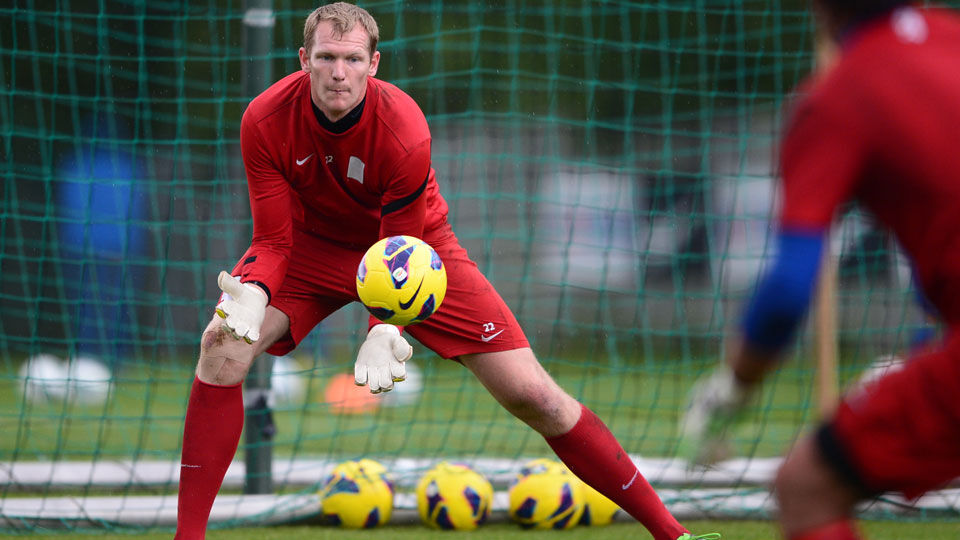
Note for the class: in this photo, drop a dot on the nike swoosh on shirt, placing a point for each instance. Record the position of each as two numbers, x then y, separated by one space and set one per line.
406 305
632 480
485 339
304 160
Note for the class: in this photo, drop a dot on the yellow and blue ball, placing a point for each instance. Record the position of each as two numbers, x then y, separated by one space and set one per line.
453 496
401 280
546 495
355 498
597 509
542 465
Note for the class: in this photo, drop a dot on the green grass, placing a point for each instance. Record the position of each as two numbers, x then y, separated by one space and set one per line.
455 416
731 530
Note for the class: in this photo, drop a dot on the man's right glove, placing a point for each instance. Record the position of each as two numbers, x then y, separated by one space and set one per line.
380 360
242 307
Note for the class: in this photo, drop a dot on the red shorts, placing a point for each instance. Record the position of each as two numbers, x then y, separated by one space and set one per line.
322 277
902 433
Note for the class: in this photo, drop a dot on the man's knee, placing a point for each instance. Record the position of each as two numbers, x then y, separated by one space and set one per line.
519 383
213 338
544 406
801 476
224 359
789 481
218 340
808 491
532 399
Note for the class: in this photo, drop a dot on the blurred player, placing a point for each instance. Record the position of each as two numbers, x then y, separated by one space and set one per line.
879 127
335 160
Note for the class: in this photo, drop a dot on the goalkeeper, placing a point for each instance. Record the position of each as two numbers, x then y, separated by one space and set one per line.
335 160
878 126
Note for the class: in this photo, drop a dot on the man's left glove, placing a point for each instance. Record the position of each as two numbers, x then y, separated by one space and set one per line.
716 404
380 361
242 308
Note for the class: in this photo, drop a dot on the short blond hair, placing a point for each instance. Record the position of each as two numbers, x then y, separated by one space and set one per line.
344 17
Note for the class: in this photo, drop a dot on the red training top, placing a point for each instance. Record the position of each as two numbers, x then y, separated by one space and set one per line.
373 180
883 127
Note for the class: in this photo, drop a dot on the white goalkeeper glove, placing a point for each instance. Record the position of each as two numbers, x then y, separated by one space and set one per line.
242 307
380 360
716 403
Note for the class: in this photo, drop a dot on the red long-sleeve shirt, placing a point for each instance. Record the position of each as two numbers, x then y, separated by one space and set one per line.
373 180
883 128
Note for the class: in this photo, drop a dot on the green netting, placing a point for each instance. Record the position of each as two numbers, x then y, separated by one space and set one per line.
608 165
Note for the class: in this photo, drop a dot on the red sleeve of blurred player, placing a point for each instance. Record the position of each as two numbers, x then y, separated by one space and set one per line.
822 156
404 201
270 204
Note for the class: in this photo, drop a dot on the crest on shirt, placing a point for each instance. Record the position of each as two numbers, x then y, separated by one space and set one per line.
355 169
910 26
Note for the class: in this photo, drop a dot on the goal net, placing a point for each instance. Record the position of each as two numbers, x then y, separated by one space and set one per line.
609 166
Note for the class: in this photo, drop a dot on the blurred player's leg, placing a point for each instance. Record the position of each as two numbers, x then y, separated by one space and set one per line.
214 420
580 439
841 530
815 504
897 433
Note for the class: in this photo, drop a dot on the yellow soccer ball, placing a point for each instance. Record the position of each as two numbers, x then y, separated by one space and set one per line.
546 495
355 499
597 509
369 467
542 465
451 496
401 280
375 468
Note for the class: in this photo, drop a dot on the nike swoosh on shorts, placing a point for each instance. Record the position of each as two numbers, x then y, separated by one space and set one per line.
486 339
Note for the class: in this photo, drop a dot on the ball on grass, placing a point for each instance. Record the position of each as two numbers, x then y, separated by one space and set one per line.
452 496
354 497
546 495
597 509
88 381
43 378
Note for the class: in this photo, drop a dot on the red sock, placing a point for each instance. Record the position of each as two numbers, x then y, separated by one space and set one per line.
839 530
595 456
211 433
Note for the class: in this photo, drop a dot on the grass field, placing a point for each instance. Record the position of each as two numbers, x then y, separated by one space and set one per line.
456 417
731 530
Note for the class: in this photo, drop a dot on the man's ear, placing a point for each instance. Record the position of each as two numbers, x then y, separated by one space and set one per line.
374 63
304 60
